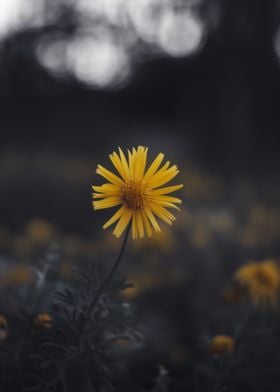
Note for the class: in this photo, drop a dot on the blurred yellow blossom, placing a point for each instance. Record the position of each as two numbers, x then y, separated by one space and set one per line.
3 328
3 322
43 321
221 344
17 275
122 341
40 231
261 280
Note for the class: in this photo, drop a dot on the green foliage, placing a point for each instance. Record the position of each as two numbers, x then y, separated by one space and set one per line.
78 351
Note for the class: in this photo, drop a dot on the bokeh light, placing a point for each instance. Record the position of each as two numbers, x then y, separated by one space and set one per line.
100 42
51 52
19 14
9 15
97 62
180 33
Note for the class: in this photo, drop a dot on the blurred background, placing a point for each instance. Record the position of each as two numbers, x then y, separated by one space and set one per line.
196 79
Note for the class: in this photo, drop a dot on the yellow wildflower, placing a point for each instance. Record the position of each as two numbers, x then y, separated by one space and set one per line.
3 322
137 191
221 344
3 328
122 341
43 321
261 281
17 275
40 231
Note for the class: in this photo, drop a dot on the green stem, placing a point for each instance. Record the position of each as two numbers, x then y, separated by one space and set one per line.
111 273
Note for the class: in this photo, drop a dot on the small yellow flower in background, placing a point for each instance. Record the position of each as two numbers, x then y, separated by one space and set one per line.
40 231
122 341
261 280
17 275
43 321
138 191
3 328
3 321
221 344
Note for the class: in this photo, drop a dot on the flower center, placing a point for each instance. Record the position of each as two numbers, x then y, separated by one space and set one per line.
133 195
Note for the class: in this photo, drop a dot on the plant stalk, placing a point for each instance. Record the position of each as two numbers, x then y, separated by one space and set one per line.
111 273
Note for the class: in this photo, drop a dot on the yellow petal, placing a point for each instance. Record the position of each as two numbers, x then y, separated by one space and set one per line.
170 199
124 162
140 162
101 195
122 223
167 204
109 202
167 189
154 166
159 173
131 159
134 227
147 224
114 218
164 177
139 223
106 188
152 219
162 213
108 175
115 159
